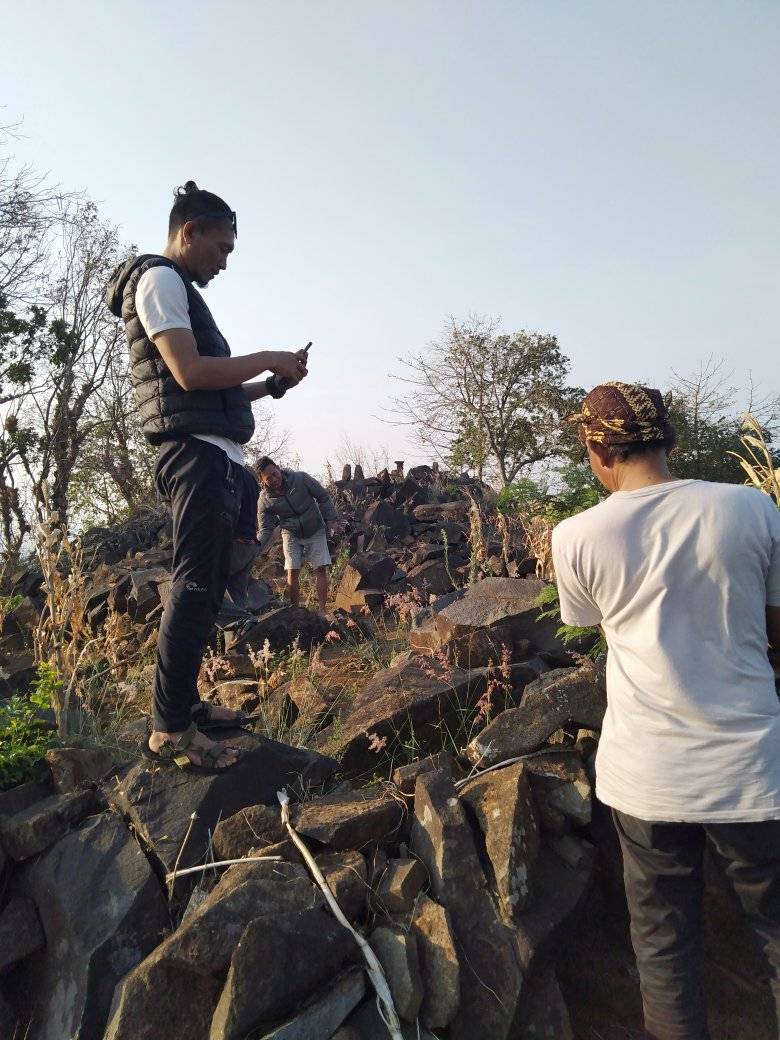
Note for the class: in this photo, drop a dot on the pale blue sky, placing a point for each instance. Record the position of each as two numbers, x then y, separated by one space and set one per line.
606 170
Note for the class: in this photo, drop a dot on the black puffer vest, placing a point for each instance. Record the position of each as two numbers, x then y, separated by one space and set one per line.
167 411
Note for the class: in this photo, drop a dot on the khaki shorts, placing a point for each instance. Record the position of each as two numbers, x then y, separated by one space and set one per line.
298 550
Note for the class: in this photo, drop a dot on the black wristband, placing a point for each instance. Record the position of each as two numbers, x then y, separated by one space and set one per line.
274 388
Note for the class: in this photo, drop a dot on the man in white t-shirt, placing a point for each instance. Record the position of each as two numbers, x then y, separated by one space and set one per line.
195 405
683 576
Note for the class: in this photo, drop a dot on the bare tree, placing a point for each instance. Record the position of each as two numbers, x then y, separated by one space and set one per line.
351 452
269 439
705 411
30 209
489 401
81 339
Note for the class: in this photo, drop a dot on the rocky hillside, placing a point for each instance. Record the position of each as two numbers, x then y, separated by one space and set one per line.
436 741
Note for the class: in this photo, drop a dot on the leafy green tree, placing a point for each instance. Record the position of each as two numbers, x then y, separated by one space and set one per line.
490 401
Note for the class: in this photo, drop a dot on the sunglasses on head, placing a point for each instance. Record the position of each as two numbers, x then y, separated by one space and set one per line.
231 216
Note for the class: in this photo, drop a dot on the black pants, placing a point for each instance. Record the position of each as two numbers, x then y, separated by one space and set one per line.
663 868
205 491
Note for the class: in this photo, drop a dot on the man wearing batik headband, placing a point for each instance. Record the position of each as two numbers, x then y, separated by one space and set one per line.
683 576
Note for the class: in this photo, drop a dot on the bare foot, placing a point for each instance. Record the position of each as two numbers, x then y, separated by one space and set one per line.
217 713
200 743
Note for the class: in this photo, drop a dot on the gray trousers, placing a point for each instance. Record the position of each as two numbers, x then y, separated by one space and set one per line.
663 869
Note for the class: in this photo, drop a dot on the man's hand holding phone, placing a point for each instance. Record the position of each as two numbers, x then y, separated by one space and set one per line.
288 370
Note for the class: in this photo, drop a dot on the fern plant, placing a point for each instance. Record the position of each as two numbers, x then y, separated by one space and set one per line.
549 602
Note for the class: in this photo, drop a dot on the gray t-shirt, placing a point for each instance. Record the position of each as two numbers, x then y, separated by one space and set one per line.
679 576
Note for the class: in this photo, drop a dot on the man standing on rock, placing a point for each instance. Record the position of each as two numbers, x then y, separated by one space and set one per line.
195 404
302 507
683 576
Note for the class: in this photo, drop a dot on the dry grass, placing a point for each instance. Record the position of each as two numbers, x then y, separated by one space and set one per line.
94 679
757 461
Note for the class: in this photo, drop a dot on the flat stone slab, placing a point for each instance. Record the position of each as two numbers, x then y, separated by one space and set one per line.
159 800
414 694
322 1017
31 831
349 821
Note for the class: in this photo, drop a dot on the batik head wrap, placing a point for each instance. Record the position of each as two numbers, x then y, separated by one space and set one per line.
623 413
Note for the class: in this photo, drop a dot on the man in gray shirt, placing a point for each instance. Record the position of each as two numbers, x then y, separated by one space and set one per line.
304 510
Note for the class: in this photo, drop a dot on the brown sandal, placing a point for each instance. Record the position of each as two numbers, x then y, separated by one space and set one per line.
174 753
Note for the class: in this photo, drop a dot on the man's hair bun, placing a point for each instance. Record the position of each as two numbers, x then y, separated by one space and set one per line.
193 203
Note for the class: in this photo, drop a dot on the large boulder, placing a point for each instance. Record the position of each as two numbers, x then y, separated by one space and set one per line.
492 614
503 806
281 627
563 696
385 515
412 695
174 992
159 801
102 911
268 978
491 978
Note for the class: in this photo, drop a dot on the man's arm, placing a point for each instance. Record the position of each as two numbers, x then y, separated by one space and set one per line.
324 501
193 371
267 524
254 391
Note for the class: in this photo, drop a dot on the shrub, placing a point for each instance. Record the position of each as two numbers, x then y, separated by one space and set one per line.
550 600
24 735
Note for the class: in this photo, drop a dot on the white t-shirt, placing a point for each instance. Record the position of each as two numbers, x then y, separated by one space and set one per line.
679 576
161 304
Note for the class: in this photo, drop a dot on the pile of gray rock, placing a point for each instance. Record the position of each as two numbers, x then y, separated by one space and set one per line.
461 879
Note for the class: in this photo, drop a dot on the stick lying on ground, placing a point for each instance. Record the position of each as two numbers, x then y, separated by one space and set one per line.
384 998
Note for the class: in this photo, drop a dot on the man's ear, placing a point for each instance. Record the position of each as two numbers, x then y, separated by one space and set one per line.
187 231
601 451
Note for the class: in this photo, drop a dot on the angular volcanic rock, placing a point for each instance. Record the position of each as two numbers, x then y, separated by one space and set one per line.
102 911
561 697
281 627
491 614
490 976
413 695
503 805
31 831
268 976
160 801
189 967
351 820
